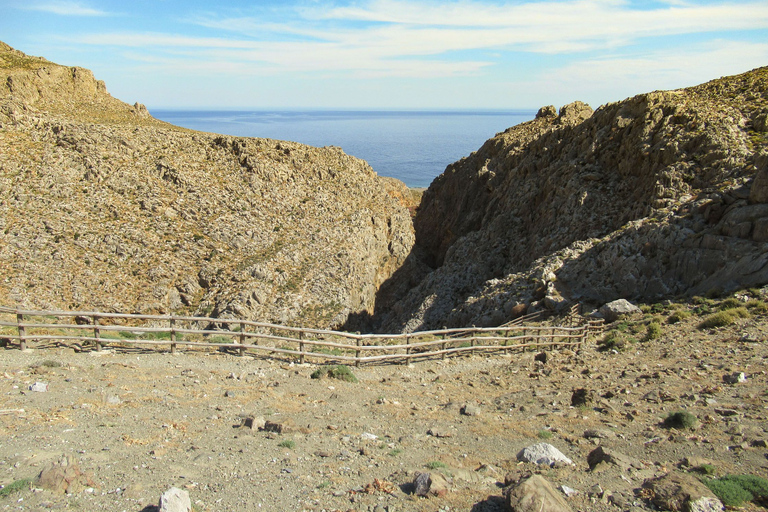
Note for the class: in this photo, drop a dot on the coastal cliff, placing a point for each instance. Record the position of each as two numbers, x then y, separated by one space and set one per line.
103 207
658 196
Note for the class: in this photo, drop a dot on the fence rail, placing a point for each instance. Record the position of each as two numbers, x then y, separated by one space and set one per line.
101 329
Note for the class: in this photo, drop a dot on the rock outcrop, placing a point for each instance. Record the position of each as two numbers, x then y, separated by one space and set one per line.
663 194
103 207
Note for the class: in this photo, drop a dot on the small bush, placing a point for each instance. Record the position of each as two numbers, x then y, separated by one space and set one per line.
17 486
757 306
287 443
435 464
340 372
680 420
395 452
723 318
544 434
731 303
678 316
734 490
706 469
50 363
653 332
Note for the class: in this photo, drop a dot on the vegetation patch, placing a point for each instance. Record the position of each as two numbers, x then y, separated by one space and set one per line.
17 486
435 464
724 317
681 420
339 371
653 331
735 490
287 443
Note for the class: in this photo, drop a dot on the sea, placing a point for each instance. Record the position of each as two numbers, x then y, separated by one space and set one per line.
414 146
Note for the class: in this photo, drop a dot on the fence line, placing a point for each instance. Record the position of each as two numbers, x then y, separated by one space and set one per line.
103 329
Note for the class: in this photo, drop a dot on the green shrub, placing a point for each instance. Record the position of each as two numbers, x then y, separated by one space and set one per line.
730 303
678 316
435 464
734 490
723 318
544 434
395 452
757 306
680 420
50 363
653 331
287 443
340 372
17 486
706 469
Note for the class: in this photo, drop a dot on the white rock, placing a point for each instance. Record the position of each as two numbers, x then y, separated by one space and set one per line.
40 387
175 500
543 453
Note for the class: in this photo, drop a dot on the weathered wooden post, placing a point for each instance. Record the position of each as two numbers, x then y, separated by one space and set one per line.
172 322
97 332
242 338
357 352
20 327
443 345
301 347
407 348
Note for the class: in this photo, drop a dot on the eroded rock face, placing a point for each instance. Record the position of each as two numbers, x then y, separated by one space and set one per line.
103 207
656 196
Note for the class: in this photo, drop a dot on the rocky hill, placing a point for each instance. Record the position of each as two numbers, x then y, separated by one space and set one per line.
103 207
661 195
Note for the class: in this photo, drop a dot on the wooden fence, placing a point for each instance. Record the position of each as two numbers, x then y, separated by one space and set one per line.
104 329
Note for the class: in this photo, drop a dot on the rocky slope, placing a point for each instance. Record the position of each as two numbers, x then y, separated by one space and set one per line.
103 207
660 195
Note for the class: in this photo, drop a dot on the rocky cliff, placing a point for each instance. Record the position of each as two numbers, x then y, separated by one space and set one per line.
103 207
660 195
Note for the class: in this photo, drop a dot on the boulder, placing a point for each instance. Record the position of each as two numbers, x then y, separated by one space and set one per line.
543 453
679 492
64 476
536 494
175 500
612 311
430 484
601 456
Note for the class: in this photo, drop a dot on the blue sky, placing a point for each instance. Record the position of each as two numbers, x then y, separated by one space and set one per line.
390 53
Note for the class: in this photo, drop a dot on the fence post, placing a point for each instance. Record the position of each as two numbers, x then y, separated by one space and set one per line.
407 348
172 322
301 347
97 332
242 338
20 327
443 344
357 352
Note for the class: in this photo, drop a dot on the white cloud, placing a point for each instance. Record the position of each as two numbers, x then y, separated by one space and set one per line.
65 8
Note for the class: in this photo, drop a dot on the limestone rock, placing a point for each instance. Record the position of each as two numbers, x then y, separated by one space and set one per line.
682 492
614 310
175 500
430 484
64 476
536 494
543 453
607 456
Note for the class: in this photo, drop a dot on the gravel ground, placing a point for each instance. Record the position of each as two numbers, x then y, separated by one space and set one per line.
137 422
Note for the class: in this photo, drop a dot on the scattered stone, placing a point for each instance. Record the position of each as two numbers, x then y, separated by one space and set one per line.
735 378
470 410
64 477
569 492
759 443
279 428
582 397
536 494
434 432
430 484
175 500
601 456
617 309
39 387
252 422
598 433
541 357
543 453
681 492
726 412
596 491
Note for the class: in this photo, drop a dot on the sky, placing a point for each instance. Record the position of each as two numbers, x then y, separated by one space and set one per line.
390 54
